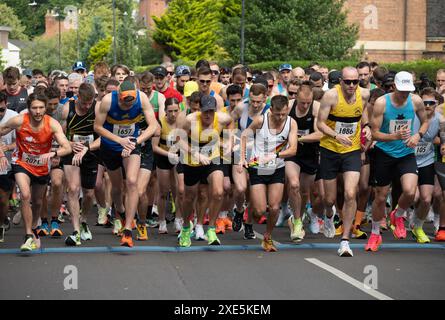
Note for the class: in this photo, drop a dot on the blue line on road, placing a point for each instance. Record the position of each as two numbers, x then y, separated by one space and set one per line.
67 250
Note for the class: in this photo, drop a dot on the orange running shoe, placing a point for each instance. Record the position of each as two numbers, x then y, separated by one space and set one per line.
127 239
268 245
220 226
440 235
263 220
375 240
228 223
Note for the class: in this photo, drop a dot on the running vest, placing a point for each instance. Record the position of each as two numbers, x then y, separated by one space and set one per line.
245 120
81 128
155 103
393 119
165 141
425 148
305 126
207 139
344 119
282 90
266 142
122 123
31 145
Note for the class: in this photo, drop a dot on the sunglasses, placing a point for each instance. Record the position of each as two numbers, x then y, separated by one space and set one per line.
427 103
291 93
205 81
349 82
2 109
215 72
170 73
250 79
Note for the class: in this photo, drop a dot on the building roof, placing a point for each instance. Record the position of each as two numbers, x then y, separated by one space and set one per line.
18 43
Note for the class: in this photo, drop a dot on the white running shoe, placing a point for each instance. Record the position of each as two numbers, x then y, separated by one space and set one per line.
117 226
410 217
102 215
329 227
344 250
163 227
178 225
314 224
283 216
17 218
85 233
430 216
436 223
199 233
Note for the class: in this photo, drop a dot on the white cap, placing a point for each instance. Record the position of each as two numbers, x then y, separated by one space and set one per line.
404 81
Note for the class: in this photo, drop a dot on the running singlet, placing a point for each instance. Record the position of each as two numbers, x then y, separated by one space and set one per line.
305 127
266 143
207 139
165 140
122 123
344 119
31 145
155 103
393 120
244 121
425 148
81 128
17 102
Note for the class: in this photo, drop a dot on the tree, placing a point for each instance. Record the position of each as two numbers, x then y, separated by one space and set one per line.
97 34
9 19
127 51
100 51
149 54
291 30
189 29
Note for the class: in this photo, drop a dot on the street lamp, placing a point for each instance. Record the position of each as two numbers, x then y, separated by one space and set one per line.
114 31
32 4
242 32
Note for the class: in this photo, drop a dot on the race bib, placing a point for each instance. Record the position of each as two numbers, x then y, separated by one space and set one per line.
347 129
269 165
124 130
423 148
33 160
83 139
397 125
302 133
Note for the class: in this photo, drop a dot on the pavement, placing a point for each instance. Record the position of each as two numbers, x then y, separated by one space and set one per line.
158 269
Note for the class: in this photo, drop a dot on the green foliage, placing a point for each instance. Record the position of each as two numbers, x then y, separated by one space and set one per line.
127 51
97 34
292 29
101 51
429 67
9 18
2 62
190 29
149 54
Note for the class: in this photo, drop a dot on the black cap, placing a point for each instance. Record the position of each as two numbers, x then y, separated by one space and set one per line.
334 78
388 78
159 71
261 79
208 103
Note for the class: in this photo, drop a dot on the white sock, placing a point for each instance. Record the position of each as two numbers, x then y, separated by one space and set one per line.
400 212
376 227
223 214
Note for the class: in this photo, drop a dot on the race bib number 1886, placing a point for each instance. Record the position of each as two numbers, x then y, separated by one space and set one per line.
347 129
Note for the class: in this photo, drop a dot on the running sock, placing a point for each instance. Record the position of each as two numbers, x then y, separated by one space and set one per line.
44 220
400 212
343 239
359 218
418 223
34 231
375 227
223 214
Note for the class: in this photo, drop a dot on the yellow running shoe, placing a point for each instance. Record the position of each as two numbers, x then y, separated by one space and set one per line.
142 232
420 235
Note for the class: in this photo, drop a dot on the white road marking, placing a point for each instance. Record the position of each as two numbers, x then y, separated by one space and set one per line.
343 276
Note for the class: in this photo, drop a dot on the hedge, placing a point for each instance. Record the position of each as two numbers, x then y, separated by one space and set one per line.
419 66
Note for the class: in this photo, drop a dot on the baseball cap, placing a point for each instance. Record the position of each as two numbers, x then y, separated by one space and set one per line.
285 66
28 73
404 81
208 103
262 80
190 87
159 71
334 78
79 65
182 71
127 91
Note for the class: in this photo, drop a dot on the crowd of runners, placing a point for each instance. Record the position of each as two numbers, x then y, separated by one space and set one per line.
223 147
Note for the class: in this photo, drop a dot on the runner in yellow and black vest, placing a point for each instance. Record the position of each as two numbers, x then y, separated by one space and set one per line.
341 119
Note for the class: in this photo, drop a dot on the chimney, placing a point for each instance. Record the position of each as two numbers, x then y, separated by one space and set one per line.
4 36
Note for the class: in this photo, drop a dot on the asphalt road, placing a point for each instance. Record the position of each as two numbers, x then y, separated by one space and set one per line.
239 269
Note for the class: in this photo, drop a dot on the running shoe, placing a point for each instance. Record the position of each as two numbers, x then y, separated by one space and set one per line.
220 226
17 218
314 225
29 244
199 233
102 217
420 235
338 226
237 222
383 224
283 217
329 228
184 237
85 233
357 233
375 240
117 227
440 235
227 223
152 223
178 225
268 245
436 223
397 225
430 216
2 233
55 229
212 238
142 232
73 240
127 239
262 220
249 234
43 229
345 250
163 227
206 219
7 224
296 229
